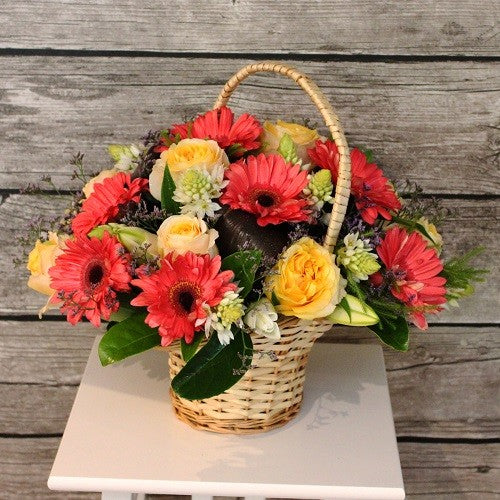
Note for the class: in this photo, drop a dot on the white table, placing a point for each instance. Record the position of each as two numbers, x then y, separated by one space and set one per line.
122 436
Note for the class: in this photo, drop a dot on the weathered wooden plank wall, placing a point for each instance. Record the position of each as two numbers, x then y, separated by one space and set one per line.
255 26
419 85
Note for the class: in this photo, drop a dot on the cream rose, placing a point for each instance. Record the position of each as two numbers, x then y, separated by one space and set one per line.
41 259
184 155
303 137
306 281
183 233
88 189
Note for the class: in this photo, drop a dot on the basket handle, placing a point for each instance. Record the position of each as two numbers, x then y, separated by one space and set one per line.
343 186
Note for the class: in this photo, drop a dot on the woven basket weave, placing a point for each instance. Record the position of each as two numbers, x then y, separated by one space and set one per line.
270 393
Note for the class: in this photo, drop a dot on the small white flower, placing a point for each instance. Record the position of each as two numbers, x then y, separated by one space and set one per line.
225 335
356 256
125 156
261 317
227 313
197 188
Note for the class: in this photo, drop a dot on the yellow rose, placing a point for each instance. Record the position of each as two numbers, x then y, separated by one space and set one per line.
186 154
303 137
88 189
183 233
41 259
306 281
436 240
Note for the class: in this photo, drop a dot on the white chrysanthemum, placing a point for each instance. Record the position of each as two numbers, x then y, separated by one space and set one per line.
197 188
261 317
228 312
357 257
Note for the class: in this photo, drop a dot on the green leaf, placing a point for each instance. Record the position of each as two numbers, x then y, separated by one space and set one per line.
120 315
369 155
460 274
235 150
189 350
344 304
125 310
215 367
354 288
412 226
244 264
274 299
130 336
392 332
167 192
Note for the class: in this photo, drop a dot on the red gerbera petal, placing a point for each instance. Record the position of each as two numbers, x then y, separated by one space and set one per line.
87 276
268 187
104 204
415 269
177 295
219 125
372 191
240 136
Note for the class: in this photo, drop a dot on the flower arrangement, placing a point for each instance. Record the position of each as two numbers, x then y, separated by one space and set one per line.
207 233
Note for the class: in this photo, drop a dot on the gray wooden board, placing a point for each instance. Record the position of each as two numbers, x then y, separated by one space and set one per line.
430 470
41 365
255 26
471 223
431 122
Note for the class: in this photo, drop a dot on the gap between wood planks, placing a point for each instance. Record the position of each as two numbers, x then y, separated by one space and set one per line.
332 57
5 193
400 439
62 319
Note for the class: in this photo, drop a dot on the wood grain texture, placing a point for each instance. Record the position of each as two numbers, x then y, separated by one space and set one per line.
450 471
256 26
41 365
25 467
471 222
432 122
433 119
430 470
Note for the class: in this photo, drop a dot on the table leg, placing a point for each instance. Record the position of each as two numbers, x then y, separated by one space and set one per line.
121 495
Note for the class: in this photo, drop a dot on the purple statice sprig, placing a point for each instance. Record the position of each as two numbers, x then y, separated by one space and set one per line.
148 156
140 215
354 223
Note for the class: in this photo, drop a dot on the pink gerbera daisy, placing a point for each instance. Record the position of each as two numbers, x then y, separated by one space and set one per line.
104 204
414 270
86 277
178 295
372 192
237 136
268 187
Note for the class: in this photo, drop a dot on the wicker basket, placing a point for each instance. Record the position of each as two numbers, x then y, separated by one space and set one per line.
270 393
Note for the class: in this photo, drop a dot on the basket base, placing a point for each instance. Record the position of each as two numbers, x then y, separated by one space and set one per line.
236 425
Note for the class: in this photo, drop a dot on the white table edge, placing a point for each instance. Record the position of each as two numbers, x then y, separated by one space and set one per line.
61 483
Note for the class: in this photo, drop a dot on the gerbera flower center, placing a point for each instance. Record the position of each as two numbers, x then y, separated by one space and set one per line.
94 274
264 198
183 296
186 300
